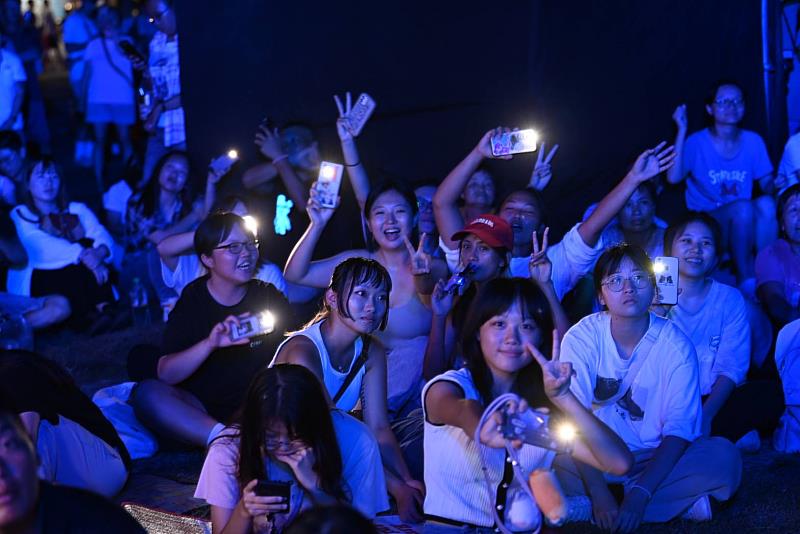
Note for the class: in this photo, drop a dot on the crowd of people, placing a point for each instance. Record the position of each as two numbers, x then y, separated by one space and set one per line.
391 376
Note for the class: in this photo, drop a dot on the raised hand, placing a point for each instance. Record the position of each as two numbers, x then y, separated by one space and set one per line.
542 170
539 265
342 123
484 146
441 300
679 116
653 161
318 214
556 374
100 274
269 143
420 260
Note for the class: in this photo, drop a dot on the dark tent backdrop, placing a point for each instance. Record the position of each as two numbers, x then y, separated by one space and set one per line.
600 78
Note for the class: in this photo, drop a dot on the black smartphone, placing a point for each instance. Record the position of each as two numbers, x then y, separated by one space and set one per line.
274 488
130 50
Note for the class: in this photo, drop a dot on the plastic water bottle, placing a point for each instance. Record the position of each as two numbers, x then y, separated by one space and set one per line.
139 307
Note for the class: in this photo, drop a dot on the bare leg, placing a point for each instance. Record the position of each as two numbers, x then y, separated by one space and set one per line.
56 309
766 221
172 412
100 129
737 221
125 139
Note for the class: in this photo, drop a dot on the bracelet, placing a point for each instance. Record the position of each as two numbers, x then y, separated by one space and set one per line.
645 490
280 158
356 164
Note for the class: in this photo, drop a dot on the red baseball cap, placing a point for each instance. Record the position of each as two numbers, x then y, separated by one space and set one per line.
491 229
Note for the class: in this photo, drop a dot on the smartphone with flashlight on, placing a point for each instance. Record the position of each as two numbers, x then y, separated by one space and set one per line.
328 183
515 142
533 427
359 113
222 164
258 324
665 269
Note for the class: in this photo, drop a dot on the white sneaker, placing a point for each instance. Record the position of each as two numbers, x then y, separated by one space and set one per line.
579 508
699 511
750 442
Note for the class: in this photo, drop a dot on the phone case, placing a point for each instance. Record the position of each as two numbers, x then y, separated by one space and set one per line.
360 112
223 163
274 488
251 326
666 273
514 142
328 183
532 428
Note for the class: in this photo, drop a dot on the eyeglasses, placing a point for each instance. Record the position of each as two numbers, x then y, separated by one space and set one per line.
617 282
237 247
158 16
424 204
283 447
729 102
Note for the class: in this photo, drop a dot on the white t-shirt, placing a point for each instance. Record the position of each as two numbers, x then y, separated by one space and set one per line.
790 162
362 470
11 74
189 269
116 198
108 85
664 398
456 488
571 259
720 333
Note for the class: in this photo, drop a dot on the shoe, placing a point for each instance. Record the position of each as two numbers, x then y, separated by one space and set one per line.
750 442
579 508
699 511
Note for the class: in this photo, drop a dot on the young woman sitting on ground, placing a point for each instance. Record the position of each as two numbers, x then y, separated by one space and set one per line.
286 432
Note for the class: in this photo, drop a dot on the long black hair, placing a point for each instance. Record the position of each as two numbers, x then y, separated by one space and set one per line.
494 298
148 202
44 165
292 395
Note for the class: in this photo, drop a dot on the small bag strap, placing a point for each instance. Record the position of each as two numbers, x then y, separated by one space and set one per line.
639 357
354 370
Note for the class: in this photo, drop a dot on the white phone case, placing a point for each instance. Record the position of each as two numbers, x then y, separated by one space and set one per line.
328 183
360 112
514 142
666 272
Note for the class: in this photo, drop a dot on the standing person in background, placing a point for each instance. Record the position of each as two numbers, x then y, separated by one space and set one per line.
721 164
12 88
108 89
78 30
164 121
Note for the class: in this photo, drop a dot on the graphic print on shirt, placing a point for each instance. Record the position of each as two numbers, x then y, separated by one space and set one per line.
628 409
728 181
605 388
713 343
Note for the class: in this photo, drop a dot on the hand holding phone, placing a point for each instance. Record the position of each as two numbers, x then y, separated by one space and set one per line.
328 183
514 142
354 117
222 164
532 427
274 488
665 269
253 325
130 51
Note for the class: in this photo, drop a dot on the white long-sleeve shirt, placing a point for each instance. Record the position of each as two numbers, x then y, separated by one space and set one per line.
49 252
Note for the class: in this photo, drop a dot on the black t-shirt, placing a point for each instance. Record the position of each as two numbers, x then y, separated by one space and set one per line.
50 392
222 380
65 510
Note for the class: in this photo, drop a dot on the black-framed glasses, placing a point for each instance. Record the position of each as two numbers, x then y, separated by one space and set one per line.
237 247
424 204
157 17
729 102
617 282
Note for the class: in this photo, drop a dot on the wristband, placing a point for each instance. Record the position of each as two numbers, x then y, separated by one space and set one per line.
280 158
645 490
356 164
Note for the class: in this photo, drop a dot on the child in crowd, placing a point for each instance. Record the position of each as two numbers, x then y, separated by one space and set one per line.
508 328
640 374
339 348
286 432
202 372
721 165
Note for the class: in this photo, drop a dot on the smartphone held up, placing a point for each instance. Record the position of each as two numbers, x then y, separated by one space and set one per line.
328 183
222 164
665 269
253 325
515 142
360 113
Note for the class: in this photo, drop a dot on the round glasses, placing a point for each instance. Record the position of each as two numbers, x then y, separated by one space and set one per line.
617 282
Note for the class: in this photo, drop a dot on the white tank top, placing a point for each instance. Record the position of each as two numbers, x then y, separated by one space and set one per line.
333 379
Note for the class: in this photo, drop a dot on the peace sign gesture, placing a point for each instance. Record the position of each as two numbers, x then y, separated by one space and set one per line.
539 265
420 260
542 170
343 123
556 375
